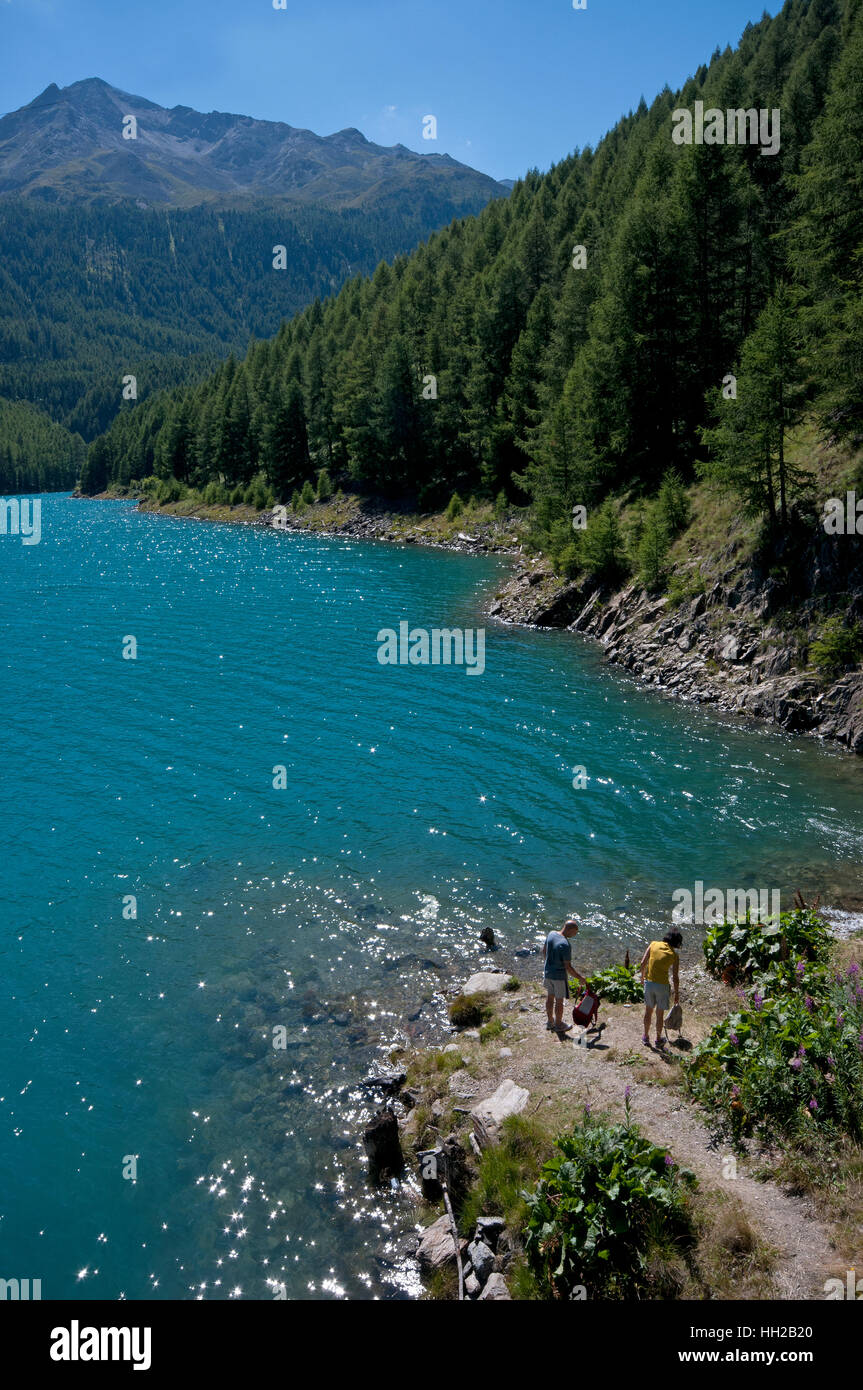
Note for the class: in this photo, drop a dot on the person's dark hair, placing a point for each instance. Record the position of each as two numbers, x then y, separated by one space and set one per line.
673 938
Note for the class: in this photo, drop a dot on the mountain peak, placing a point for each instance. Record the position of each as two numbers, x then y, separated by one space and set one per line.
51 92
71 145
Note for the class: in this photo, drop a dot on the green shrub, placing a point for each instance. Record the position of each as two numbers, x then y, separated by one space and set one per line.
789 1064
605 1205
601 548
500 505
216 495
512 984
237 497
308 493
325 487
490 1031
258 493
739 951
681 589
455 508
674 508
469 1011
170 490
505 1170
619 984
296 501
839 647
567 560
652 552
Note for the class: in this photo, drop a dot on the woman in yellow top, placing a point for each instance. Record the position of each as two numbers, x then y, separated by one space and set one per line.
658 961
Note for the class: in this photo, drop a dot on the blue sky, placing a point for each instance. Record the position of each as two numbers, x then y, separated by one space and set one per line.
514 84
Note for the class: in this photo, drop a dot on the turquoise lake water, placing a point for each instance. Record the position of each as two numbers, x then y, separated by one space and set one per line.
420 805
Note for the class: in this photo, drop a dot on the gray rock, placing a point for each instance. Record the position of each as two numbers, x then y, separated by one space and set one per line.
436 1247
471 1286
489 1228
495 1290
486 982
381 1140
729 648
488 1115
482 1259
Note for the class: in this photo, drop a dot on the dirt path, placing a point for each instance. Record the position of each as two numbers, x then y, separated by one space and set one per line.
562 1077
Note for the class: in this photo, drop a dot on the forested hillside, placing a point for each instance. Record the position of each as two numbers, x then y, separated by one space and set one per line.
498 357
91 294
36 454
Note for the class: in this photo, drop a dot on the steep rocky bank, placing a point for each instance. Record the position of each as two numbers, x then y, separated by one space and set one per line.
727 647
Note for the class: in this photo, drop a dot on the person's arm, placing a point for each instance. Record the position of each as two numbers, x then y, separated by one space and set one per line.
572 970
643 967
676 979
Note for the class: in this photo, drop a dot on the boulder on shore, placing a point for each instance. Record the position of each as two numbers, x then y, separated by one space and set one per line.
436 1247
495 1290
488 1115
482 1259
486 982
489 1229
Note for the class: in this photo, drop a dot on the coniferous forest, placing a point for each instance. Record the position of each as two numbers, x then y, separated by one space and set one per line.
575 342
91 293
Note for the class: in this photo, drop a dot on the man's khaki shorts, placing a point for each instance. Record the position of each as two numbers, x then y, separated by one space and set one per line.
558 989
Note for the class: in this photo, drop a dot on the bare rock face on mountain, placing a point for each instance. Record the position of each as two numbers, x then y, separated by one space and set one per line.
70 145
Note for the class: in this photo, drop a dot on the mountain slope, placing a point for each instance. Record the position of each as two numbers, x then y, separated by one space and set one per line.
155 257
569 385
69 145
89 294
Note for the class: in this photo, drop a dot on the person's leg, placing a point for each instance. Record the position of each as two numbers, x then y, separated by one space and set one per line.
549 1005
648 1014
561 994
660 1014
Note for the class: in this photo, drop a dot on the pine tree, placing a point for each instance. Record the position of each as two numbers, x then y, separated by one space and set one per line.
749 442
286 445
653 548
827 240
602 549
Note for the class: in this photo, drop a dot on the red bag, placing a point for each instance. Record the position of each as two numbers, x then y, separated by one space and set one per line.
586 1009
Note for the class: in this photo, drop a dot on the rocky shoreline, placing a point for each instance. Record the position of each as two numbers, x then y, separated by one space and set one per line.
725 646
443 1111
722 648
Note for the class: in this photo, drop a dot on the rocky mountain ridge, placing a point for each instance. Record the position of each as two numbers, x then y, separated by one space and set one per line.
69 145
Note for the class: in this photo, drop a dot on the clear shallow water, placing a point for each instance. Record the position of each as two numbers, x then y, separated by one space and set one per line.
421 804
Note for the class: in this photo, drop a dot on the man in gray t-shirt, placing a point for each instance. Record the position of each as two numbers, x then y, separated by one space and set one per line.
557 957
